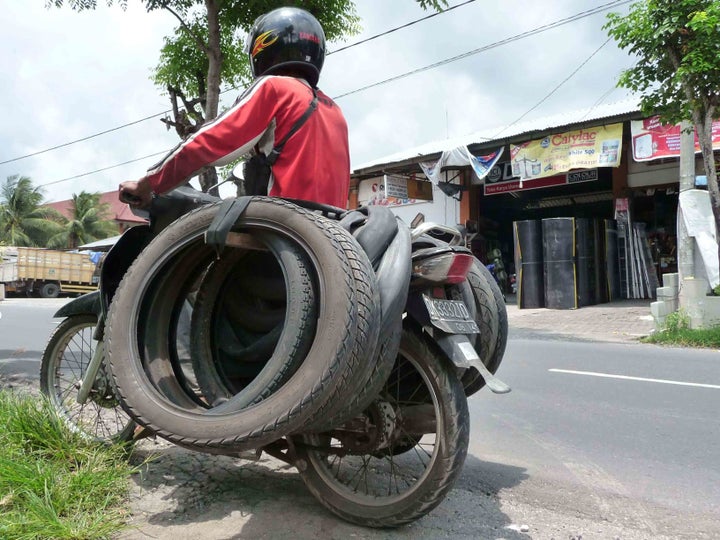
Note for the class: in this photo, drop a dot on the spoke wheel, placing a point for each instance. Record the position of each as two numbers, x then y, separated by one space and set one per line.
64 362
398 461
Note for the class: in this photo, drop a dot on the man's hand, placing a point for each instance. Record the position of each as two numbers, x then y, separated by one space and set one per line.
138 194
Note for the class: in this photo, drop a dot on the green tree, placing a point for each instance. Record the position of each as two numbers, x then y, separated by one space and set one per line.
677 74
23 219
206 49
88 223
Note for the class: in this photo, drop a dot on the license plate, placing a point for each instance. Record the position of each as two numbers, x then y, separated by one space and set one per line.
452 316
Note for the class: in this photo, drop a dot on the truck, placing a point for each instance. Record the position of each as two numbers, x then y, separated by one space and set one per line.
47 272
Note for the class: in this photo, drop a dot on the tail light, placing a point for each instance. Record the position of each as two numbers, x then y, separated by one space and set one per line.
446 268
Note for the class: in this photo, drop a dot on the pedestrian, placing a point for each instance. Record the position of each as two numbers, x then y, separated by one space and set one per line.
286 49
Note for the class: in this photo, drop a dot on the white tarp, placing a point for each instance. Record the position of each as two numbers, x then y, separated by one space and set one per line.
461 157
700 224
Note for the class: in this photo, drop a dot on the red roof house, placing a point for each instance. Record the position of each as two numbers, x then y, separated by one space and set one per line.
118 211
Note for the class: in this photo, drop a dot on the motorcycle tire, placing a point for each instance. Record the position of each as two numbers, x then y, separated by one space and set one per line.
363 396
62 369
491 311
393 273
141 312
266 362
419 479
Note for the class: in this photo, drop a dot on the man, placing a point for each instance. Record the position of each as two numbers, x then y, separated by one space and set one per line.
286 48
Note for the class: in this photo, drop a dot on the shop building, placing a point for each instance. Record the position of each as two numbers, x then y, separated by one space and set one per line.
580 164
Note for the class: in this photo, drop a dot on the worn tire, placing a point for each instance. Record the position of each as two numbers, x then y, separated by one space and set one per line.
263 369
382 366
144 374
443 465
492 315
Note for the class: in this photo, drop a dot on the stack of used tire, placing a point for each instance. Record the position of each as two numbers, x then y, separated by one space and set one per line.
287 331
307 295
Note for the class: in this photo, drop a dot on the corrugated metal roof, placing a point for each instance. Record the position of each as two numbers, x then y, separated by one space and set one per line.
487 137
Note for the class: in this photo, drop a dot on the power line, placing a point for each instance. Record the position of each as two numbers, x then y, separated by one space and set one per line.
84 138
228 89
543 100
538 30
494 45
400 27
104 168
600 100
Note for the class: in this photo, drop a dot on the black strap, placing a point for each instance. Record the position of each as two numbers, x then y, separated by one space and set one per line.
275 152
227 215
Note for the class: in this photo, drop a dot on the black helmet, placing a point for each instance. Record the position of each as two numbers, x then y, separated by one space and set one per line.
287 38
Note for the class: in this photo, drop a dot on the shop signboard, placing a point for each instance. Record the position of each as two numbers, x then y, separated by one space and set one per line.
500 180
579 149
393 190
653 140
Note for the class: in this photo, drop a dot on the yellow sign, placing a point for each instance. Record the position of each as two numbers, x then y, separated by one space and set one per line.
580 149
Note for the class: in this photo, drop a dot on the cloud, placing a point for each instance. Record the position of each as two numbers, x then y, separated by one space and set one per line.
69 75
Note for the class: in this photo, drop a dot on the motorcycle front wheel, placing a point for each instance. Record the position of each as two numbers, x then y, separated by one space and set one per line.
408 453
64 362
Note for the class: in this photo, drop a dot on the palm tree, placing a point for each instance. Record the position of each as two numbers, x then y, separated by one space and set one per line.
23 221
87 224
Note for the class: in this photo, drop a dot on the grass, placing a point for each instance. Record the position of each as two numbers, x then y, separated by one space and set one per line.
677 331
54 484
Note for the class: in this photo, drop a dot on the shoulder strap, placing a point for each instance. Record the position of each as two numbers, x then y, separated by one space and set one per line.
275 152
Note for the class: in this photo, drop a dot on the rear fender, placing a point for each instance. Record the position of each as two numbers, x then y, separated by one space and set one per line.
120 258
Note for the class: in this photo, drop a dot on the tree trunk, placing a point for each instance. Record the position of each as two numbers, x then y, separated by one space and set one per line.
208 179
214 54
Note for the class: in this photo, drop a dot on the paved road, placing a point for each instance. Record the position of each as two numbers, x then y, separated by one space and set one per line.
25 326
631 451
574 451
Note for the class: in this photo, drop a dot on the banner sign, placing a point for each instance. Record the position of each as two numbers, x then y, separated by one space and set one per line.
653 140
482 165
460 157
580 149
500 180
391 190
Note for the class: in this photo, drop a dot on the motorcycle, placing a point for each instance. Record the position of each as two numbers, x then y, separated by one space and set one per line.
386 445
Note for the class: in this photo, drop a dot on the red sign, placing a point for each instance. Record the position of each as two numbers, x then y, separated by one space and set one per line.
653 140
513 184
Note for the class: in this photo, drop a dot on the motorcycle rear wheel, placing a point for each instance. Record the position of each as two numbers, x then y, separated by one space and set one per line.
491 313
411 473
64 362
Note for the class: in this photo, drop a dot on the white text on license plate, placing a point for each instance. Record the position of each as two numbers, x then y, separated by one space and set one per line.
450 315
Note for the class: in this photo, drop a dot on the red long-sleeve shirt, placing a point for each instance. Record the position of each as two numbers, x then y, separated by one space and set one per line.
314 164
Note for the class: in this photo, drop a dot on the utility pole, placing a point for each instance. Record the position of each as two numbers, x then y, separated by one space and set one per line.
685 244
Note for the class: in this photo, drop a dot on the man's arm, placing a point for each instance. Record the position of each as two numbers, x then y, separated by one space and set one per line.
228 137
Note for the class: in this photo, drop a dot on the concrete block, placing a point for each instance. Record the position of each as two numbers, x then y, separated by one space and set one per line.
691 288
703 310
660 309
671 280
711 311
666 293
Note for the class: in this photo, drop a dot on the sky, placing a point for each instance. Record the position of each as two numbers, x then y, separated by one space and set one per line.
69 75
